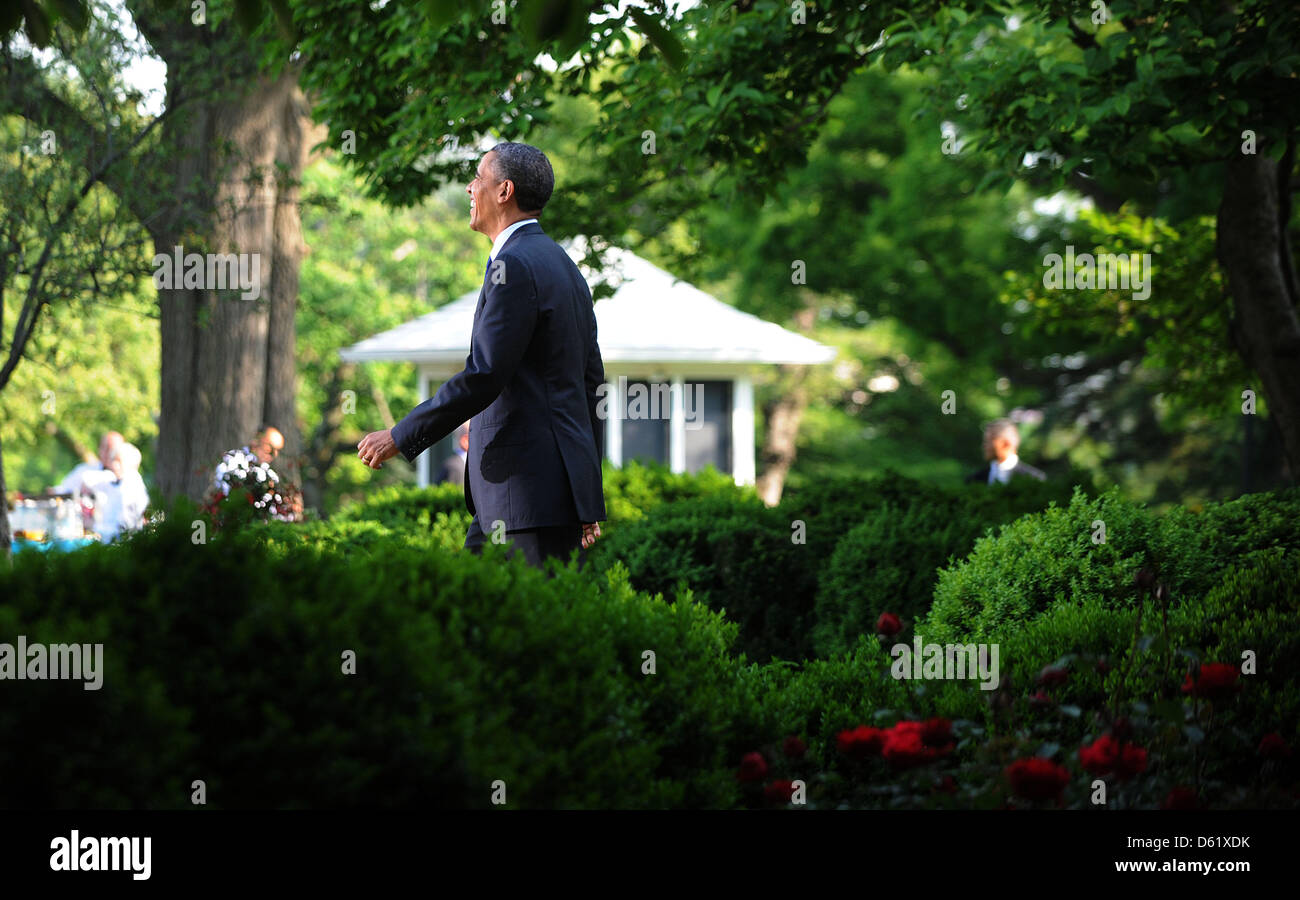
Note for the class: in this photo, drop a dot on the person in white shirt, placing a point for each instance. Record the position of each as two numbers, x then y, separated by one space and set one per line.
125 498
91 474
1001 449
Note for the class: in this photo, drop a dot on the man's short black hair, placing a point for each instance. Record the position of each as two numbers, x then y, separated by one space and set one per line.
530 171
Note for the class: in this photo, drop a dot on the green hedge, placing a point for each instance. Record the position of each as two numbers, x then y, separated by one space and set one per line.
889 561
406 507
633 490
224 664
1255 607
630 492
736 555
1051 557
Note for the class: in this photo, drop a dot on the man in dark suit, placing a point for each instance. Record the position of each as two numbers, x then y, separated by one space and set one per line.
1001 446
453 467
533 474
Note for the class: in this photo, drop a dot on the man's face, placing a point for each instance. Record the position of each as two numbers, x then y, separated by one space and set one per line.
1003 446
268 445
482 195
107 444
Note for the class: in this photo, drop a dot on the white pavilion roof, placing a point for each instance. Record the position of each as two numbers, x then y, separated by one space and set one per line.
652 317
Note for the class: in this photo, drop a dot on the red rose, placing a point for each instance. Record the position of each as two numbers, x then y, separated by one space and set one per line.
1052 676
1215 680
1180 798
794 747
779 792
936 733
1274 746
888 625
861 742
1036 778
904 748
752 767
1100 757
1132 761
1041 700
1106 755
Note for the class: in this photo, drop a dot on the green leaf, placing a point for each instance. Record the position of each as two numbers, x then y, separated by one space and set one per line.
663 40
1169 710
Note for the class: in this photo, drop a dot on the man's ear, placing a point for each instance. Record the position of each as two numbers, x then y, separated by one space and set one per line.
506 191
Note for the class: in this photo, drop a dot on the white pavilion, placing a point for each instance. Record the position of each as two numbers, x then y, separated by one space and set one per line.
678 366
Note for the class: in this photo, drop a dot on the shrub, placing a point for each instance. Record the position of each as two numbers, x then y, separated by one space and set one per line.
402 507
887 563
224 664
905 530
630 492
1046 558
1250 523
736 555
1050 557
1254 607
636 488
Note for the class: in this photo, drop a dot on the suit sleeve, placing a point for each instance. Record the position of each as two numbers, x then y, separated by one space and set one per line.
594 378
504 331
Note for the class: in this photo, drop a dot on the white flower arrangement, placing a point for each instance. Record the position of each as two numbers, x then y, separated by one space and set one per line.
241 468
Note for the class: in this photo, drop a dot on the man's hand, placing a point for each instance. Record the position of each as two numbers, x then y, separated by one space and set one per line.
590 531
376 447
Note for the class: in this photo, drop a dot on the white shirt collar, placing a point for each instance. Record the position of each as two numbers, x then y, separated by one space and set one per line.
505 236
1001 471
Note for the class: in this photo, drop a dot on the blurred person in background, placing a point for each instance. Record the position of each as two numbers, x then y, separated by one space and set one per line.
125 496
453 467
90 474
1001 449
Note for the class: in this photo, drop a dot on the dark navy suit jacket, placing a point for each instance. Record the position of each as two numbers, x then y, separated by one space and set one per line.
529 392
1019 470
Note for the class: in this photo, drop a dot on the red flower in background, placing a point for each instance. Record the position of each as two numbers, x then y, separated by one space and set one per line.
1106 755
888 625
1180 798
779 792
752 767
1052 676
861 742
1132 761
910 744
794 747
1100 757
1274 746
904 748
1041 700
1036 778
1214 681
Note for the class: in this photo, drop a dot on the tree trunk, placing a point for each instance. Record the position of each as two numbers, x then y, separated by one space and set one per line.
6 538
781 432
1253 248
228 363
